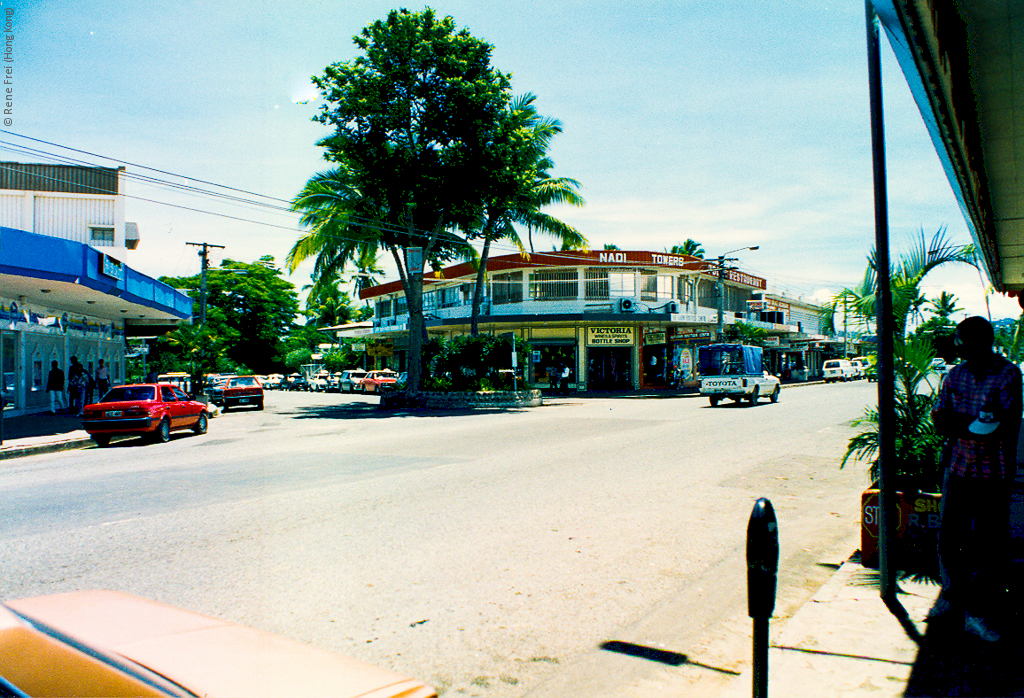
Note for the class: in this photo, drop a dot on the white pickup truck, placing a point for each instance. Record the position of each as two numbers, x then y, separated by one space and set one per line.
735 372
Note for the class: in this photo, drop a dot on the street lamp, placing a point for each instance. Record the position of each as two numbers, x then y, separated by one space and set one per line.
722 259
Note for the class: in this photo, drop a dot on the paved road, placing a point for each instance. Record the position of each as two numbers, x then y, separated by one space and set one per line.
490 553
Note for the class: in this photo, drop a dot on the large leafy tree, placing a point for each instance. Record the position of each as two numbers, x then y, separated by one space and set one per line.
412 117
250 307
517 185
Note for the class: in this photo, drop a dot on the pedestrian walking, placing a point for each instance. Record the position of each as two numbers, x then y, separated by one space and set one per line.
78 382
565 380
979 413
55 387
102 379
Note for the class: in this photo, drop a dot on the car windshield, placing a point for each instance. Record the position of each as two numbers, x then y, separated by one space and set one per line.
127 393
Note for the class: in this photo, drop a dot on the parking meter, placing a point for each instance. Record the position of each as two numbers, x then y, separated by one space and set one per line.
762 579
762 560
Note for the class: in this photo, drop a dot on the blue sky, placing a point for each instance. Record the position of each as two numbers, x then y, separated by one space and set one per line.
734 123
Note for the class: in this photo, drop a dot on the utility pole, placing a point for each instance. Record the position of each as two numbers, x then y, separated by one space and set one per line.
204 255
722 259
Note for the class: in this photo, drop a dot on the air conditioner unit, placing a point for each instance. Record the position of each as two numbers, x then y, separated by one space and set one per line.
672 307
627 305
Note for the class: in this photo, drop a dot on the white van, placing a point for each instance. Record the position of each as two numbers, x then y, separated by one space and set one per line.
838 370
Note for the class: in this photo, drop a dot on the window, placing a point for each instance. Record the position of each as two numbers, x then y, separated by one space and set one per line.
685 289
654 287
621 284
596 284
383 308
401 307
103 236
430 300
507 288
556 285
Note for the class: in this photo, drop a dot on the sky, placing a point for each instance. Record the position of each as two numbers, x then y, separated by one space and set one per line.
733 123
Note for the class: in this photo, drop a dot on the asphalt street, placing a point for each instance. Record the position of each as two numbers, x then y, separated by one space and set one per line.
490 553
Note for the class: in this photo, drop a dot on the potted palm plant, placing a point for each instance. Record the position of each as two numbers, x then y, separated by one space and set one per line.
917 471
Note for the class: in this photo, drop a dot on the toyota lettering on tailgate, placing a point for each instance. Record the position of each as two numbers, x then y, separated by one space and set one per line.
720 383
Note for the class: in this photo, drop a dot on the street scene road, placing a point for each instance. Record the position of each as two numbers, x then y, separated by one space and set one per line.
490 553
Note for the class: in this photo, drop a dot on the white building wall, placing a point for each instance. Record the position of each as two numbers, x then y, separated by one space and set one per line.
69 217
12 212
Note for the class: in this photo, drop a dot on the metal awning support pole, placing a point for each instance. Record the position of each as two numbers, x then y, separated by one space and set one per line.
883 315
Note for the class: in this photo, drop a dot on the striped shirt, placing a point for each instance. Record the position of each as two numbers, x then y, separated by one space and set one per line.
999 392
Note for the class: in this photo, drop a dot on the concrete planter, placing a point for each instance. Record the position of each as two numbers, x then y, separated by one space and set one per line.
917 527
463 400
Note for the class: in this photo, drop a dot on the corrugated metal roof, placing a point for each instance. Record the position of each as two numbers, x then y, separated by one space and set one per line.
66 179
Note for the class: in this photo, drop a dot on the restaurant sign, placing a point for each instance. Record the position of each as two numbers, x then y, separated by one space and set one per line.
610 336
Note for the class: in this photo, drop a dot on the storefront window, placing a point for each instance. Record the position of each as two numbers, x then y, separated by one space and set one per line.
8 369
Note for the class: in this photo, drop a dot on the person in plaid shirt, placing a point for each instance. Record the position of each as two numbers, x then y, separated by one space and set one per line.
979 413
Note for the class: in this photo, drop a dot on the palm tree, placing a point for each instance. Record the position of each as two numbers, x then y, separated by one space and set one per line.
689 247
609 246
944 305
343 225
905 280
520 186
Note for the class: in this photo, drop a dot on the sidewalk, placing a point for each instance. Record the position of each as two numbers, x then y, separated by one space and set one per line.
844 641
30 434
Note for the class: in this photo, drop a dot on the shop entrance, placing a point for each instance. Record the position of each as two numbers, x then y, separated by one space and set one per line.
656 366
610 368
550 362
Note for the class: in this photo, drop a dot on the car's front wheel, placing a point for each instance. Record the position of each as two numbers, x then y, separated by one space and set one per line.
163 432
202 424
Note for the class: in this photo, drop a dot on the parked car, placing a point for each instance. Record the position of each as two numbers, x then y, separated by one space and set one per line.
273 382
736 372
150 410
350 380
239 390
319 382
296 381
862 365
838 370
91 643
375 380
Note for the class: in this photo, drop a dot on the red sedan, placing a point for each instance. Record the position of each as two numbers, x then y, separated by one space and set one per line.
151 410
375 379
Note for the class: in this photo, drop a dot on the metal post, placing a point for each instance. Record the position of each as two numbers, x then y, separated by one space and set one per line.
762 580
883 314
721 296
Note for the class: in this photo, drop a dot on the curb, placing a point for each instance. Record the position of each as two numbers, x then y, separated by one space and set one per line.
52 447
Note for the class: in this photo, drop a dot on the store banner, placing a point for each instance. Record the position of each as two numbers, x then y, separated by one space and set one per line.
611 336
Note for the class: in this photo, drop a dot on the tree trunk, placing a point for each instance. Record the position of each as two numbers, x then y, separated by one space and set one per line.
478 289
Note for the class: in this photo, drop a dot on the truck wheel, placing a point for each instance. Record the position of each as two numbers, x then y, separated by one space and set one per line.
714 400
754 395
774 397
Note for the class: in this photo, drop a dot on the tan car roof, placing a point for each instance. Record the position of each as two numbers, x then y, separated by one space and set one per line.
210 656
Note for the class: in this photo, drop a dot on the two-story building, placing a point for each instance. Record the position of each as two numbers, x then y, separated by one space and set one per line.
619 320
65 289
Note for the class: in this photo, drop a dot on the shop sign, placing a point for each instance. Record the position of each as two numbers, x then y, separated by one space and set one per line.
112 267
359 346
771 341
692 335
654 337
610 336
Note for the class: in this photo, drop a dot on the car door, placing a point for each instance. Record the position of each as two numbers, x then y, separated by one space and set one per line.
189 412
172 407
